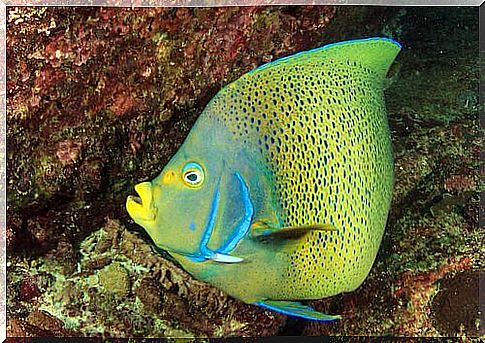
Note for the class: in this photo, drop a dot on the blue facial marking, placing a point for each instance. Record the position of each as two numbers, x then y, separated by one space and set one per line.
243 227
192 226
206 253
192 165
239 232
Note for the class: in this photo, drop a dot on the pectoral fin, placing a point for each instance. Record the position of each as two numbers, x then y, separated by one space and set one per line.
261 229
296 309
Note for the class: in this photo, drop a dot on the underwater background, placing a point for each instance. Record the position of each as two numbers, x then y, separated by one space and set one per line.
99 99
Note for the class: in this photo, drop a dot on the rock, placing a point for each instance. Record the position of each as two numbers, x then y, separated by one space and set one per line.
28 289
48 323
455 309
115 279
150 294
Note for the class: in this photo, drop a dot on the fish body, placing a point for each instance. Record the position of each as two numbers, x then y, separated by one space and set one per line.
281 190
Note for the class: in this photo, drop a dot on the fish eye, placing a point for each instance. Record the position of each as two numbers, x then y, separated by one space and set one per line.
193 174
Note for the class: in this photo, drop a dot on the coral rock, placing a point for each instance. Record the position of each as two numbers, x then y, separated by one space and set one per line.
115 279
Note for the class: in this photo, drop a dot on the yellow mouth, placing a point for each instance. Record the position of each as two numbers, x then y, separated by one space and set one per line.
140 208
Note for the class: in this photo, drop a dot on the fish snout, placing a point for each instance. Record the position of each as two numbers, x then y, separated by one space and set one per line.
140 207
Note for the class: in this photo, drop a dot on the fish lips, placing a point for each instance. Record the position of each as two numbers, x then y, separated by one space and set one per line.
141 208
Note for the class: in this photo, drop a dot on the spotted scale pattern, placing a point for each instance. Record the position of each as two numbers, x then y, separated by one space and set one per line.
320 124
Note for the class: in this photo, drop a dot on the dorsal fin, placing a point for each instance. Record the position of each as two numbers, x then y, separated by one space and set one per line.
376 53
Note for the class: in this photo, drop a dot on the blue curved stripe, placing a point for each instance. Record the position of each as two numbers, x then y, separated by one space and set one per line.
212 219
325 47
239 232
297 309
192 165
195 258
243 227
206 253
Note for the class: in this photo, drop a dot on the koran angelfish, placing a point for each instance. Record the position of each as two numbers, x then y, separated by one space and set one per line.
281 191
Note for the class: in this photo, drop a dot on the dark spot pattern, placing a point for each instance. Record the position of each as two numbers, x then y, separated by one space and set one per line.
321 127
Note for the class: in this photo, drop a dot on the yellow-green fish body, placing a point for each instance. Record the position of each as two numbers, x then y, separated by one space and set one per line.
281 190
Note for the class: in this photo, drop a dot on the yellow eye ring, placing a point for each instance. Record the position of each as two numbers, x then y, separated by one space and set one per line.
193 174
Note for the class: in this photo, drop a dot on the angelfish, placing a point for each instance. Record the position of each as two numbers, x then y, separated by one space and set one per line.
281 191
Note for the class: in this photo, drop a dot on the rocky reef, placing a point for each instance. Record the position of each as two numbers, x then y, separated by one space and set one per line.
99 99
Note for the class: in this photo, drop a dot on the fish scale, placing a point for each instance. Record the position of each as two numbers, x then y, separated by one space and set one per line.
310 142
296 176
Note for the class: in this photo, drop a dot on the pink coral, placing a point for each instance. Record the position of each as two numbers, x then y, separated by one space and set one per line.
68 151
28 289
417 288
459 183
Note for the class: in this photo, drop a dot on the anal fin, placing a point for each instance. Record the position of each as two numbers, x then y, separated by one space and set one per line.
296 309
